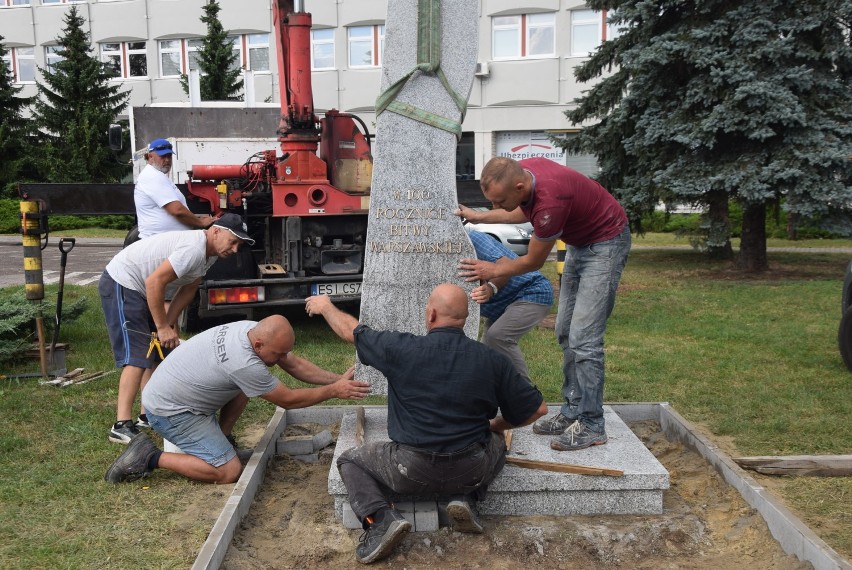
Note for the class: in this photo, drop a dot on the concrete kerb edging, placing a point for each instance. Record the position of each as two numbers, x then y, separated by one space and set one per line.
213 550
793 535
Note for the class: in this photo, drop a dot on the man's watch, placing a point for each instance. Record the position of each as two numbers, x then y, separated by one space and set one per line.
493 287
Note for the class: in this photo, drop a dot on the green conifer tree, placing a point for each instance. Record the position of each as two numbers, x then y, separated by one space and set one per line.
217 61
710 101
14 129
75 106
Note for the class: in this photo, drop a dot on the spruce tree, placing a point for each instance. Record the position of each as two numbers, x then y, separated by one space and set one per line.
718 100
75 106
217 61
14 129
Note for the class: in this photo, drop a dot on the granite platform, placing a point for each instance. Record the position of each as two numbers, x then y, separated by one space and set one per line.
521 491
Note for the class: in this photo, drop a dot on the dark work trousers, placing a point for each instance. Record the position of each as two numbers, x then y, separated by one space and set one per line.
374 470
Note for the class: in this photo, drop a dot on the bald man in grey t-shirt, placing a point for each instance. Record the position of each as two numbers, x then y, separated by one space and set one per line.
218 371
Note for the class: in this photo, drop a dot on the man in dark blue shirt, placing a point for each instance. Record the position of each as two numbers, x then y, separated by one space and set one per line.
444 393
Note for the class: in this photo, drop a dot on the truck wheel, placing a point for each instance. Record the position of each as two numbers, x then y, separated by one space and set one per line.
132 235
844 338
189 320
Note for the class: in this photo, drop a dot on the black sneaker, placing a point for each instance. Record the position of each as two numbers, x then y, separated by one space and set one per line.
555 425
142 422
380 538
122 432
464 516
133 463
243 454
578 436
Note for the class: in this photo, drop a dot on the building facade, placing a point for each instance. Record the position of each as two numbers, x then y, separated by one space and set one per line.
524 76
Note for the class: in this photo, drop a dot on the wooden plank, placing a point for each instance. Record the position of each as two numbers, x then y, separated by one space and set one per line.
508 440
562 467
799 465
359 426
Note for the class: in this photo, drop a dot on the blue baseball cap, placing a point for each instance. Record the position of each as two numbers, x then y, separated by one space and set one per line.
162 147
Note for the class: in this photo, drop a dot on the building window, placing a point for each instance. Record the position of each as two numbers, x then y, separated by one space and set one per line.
52 57
137 59
63 1
258 52
170 58
322 49
15 3
111 56
7 60
527 35
366 45
540 35
24 64
126 59
585 32
194 45
612 30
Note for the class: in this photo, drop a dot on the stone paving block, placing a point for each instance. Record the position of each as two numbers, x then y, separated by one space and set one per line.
406 509
348 516
296 445
322 439
426 516
307 457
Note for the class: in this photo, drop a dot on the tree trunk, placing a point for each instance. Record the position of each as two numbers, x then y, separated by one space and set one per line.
792 226
753 243
719 233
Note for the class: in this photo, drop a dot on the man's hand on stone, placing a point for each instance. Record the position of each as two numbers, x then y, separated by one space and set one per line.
317 305
482 294
476 270
346 388
464 212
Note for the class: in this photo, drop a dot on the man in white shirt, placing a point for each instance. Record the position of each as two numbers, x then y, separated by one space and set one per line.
133 290
160 206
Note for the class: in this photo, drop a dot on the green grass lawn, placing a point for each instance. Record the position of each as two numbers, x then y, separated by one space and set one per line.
751 358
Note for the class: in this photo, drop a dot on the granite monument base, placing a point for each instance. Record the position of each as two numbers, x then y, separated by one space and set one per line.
520 491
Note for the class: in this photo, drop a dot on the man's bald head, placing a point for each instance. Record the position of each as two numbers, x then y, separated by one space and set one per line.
272 338
447 307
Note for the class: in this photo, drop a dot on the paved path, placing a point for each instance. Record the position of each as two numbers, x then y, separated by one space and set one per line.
84 264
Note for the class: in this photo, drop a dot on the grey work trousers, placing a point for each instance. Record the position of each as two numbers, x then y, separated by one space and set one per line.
504 333
374 471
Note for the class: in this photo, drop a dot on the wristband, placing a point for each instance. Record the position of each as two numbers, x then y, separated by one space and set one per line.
493 287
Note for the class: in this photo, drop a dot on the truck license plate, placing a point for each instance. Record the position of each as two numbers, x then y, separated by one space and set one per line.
336 288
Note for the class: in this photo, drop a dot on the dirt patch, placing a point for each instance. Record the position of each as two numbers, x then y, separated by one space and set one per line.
705 525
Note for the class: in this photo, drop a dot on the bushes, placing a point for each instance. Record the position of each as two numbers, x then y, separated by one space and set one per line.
10 220
776 225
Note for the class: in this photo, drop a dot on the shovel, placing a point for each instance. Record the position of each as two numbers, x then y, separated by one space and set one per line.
58 319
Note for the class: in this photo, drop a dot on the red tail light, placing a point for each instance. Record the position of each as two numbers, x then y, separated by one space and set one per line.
236 295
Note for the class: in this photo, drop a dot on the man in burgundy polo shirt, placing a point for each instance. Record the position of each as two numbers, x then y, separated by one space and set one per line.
562 203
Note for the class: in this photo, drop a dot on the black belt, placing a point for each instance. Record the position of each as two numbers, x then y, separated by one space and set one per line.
469 450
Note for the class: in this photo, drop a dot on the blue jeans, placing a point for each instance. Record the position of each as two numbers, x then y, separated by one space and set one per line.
589 280
195 435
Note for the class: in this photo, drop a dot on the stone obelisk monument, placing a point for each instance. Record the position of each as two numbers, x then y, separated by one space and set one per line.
414 241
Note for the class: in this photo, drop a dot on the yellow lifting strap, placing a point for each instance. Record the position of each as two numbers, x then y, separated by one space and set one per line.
428 61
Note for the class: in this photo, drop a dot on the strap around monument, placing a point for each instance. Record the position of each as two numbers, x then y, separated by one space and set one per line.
428 61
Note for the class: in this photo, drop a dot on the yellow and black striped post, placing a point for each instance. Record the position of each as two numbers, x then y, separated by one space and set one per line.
31 238
33 274
560 256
